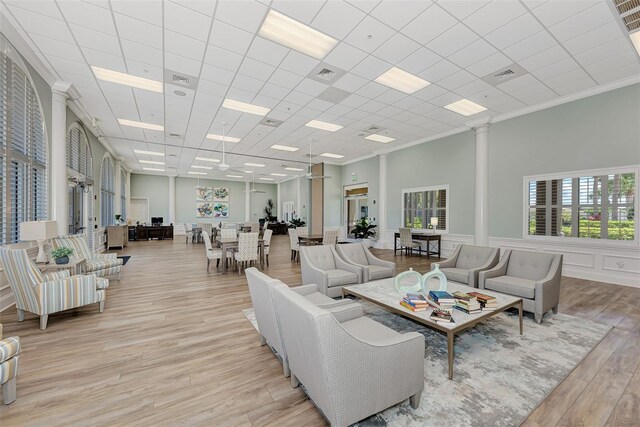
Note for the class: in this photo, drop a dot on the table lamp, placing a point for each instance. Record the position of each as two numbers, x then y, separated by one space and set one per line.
38 231
434 223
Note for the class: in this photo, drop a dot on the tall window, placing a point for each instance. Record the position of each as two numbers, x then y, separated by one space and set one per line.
422 204
107 193
593 206
79 161
123 194
78 152
23 148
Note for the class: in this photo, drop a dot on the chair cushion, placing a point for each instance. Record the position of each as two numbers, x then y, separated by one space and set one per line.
355 253
321 257
366 329
529 265
341 277
473 256
456 274
512 285
102 264
319 298
377 272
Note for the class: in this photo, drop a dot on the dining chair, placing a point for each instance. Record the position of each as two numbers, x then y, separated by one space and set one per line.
302 230
212 253
295 244
228 233
247 250
188 231
267 242
206 226
406 241
330 237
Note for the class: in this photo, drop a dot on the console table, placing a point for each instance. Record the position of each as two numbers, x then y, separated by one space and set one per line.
433 242
146 232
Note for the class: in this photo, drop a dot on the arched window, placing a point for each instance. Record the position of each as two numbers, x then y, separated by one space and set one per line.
107 192
123 194
78 152
23 148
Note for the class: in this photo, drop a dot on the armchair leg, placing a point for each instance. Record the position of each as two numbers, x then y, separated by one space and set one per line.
101 306
267 260
555 310
538 317
208 262
9 391
415 400
43 321
20 315
118 276
294 381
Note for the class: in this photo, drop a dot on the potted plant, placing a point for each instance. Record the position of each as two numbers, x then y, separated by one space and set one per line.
61 255
118 216
364 230
296 222
268 212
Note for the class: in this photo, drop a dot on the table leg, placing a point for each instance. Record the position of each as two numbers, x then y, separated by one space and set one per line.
450 352
520 309
224 258
395 245
439 240
262 256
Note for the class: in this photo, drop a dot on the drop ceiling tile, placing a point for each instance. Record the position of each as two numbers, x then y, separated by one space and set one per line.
35 23
573 86
372 90
256 69
552 12
337 18
452 40
493 16
618 73
439 71
222 58
562 79
145 70
472 88
530 46
572 27
472 53
138 31
355 101
603 52
345 56
202 6
96 40
229 37
364 5
350 82
44 8
399 13
211 88
429 25
266 51
419 60
298 63
104 60
183 45
456 80
274 91
247 14
142 53
181 64
311 87
518 83
369 34
300 11
594 38
247 83
557 68
430 92
391 96
371 67
534 93
514 31
216 74
88 15
462 8
285 78
188 22
611 63
50 46
546 57
396 48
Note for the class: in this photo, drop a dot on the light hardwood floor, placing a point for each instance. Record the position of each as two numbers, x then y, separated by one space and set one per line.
173 348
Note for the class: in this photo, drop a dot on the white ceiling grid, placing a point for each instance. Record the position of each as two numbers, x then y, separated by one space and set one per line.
565 46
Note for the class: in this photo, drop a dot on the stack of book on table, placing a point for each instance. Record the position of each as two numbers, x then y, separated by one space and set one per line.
487 302
442 315
441 299
466 303
414 302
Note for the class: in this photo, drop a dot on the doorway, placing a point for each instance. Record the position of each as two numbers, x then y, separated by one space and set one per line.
76 209
356 204
139 209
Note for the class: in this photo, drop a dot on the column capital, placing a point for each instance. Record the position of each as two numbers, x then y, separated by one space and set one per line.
480 123
65 89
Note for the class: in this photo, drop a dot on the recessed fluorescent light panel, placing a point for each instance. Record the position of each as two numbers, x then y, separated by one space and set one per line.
219 138
278 174
284 147
235 176
207 159
151 162
635 39
141 125
255 165
399 79
127 79
465 107
153 169
267 179
331 155
245 108
196 173
295 35
294 169
201 167
323 125
149 153
379 138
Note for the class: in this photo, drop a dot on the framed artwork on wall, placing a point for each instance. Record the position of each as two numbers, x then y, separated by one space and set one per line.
220 194
221 210
204 210
204 194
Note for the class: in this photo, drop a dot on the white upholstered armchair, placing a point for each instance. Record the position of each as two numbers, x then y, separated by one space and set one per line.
321 265
466 262
372 268
351 366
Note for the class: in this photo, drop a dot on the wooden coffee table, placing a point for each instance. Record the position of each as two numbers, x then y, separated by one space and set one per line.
383 293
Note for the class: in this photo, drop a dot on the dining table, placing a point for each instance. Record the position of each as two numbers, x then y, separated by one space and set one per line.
227 243
309 239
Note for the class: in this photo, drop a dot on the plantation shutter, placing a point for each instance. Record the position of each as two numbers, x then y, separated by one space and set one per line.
4 131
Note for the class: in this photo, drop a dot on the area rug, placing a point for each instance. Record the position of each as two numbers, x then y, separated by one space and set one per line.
499 375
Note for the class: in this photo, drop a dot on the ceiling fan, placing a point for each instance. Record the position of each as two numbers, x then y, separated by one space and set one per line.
310 174
253 184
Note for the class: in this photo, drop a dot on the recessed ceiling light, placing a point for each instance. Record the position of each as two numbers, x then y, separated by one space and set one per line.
399 79
278 174
379 138
294 169
331 155
207 159
153 169
235 176
245 108
284 147
635 39
323 125
247 171
255 165
219 138
201 167
267 179
149 153
295 35
142 125
465 107
127 79
151 162
196 173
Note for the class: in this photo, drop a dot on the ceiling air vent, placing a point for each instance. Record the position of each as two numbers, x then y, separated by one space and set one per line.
174 135
504 75
370 130
325 73
271 122
180 80
629 12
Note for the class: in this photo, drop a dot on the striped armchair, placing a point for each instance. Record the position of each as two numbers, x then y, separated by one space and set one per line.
99 264
9 349
49 293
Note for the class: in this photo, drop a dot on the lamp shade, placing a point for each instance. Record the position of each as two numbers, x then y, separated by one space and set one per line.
38 230
434 221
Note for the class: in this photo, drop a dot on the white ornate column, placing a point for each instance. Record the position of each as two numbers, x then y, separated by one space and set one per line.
482 185
128 192
382 201
60 93
278 203
298 197
247 201
118 185
172 199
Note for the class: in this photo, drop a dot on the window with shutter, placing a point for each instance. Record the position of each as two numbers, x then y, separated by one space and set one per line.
107 193
78 152
422 204
592 205
123 194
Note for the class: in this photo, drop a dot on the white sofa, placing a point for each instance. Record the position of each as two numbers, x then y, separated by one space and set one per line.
372 268
321 265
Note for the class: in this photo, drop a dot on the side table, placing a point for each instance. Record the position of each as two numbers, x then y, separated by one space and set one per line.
74 266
